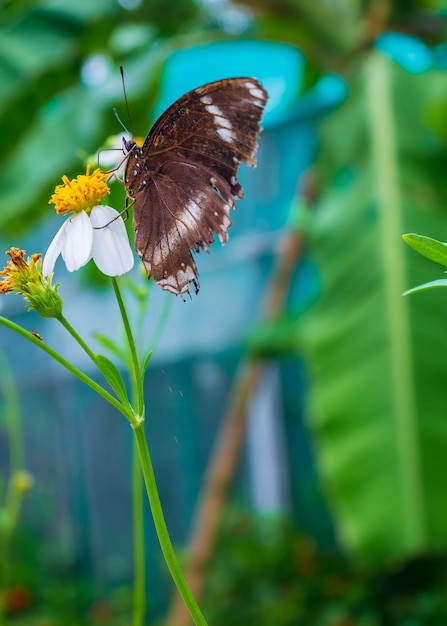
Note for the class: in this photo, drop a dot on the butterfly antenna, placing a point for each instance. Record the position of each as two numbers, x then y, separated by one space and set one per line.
129 121
121 123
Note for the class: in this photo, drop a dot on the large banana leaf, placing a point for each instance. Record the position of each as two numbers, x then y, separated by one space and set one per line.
377 360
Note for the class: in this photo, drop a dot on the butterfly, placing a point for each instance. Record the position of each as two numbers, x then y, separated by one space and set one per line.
182 182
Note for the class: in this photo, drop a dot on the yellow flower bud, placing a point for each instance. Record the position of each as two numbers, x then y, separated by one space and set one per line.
24 276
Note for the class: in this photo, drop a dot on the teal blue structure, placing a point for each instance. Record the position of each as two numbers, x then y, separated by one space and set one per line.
412 54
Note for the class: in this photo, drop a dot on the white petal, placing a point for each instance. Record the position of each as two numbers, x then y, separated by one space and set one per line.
77 250
111 250
54 250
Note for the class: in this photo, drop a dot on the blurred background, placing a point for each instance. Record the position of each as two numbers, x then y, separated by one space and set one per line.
299 378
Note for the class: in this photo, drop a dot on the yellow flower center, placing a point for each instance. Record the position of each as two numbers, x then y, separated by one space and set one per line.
80 194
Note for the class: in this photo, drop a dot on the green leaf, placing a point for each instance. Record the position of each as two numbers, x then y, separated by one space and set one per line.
113 377
442 282
111 346
431 248
146 363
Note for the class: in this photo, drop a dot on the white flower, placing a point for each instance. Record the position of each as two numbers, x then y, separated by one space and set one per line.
100 236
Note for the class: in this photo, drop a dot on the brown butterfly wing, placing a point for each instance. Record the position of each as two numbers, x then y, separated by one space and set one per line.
183 180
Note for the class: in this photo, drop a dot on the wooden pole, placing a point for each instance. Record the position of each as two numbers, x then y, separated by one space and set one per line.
225 456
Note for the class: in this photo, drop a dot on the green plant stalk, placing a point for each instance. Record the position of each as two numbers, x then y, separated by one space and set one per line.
135 364
151 489
137 475
76 336
67 365
160 525
139 589
143 298
139 542
381 126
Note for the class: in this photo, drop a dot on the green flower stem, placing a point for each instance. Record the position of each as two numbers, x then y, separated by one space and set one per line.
139 590
68 366
160 525
152 492
76 336
139 606
135 364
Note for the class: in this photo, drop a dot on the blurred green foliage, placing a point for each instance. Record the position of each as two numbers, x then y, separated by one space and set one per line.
263 572
275 575
52 111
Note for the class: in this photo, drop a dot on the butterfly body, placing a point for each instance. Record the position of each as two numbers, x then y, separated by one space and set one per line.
182 182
